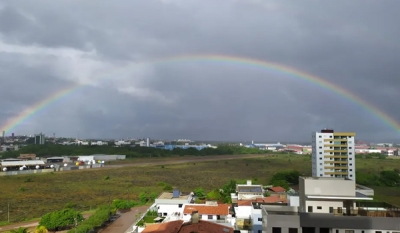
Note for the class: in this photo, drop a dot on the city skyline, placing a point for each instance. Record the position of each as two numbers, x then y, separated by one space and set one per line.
252 70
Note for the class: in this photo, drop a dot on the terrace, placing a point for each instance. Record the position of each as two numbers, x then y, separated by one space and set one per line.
370 209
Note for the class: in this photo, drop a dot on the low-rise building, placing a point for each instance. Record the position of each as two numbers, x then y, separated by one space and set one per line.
249 191
211 211
172 203
331 205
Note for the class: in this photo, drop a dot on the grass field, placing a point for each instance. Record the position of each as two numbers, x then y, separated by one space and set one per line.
31 196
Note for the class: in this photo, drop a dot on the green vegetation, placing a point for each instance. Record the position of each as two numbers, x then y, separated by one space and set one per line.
123 204
99 217
130 152
150 216
285 179
84 190
60 220
19 230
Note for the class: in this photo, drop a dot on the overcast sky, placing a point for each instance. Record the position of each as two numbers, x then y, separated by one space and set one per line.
47 46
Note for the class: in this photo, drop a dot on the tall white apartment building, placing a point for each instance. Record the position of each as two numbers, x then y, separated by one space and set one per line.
333 154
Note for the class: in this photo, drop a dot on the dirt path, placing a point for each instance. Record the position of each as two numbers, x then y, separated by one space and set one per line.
124 222
31 225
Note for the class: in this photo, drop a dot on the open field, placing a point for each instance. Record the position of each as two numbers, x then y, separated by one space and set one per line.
32 196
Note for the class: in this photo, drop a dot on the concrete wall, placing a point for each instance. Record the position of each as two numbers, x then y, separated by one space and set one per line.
333 187
324 204
283 221
349 222
256 218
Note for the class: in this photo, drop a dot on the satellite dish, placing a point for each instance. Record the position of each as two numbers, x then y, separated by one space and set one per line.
65 165
37 167
4 169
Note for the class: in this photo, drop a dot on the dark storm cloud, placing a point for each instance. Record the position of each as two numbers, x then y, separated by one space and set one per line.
46 45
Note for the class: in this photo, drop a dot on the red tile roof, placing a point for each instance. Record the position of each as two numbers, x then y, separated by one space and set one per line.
245 202
271 199
179 227
220 209
277 189
205 227
168 227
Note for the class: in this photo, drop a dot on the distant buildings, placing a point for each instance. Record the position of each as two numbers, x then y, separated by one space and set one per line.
333 154
39 139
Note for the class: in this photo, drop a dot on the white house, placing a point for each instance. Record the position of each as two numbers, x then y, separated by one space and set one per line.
249 191
211 211
170 203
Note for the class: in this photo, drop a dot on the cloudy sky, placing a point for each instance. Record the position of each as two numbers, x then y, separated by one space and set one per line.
118 55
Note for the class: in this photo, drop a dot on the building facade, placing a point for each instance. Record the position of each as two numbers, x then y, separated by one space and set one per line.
333 154
39 139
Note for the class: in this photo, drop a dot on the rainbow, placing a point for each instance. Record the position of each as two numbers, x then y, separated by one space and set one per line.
234 60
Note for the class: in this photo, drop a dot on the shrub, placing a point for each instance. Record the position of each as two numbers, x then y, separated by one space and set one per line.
123 204
61 219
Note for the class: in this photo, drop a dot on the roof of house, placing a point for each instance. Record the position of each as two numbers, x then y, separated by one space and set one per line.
277 189
22 163
271 199
245 202
220 209
168 227
205 227
179 227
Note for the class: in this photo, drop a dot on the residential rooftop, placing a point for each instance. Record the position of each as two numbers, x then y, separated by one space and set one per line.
170 195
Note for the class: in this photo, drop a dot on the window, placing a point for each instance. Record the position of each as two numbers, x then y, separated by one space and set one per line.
320 153
362 231
260 219
320 164
259 231
351 164
320 158
320 136
330 136
331 210
319 207
337 231
351 175
310 209
210 217
350 158
293 230
180 205
350 153
349 231
320 175
320 147
378 231
351 170
350 147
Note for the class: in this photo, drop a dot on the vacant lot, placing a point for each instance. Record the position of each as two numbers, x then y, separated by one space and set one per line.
34 195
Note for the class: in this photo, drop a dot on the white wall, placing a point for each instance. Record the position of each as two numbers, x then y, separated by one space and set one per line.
169 209
293 200
243 212
324 205
329 187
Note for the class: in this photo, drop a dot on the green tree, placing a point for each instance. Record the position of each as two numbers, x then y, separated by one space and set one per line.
389 178
143 198
153 196
199 192
62 219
